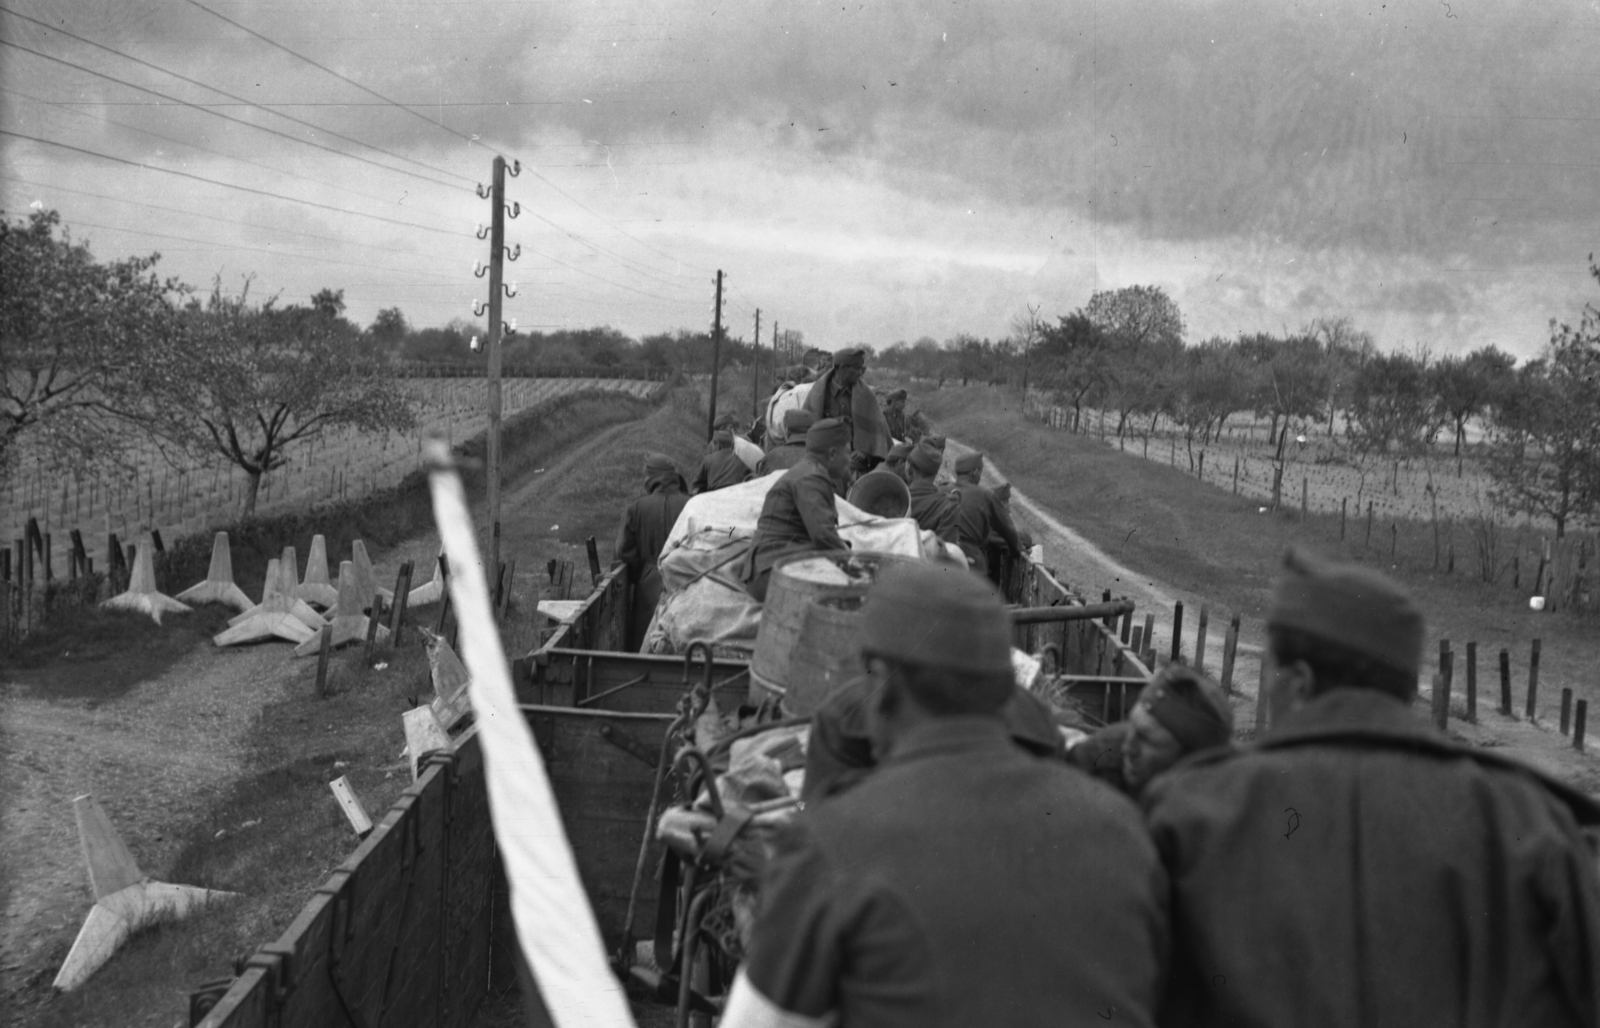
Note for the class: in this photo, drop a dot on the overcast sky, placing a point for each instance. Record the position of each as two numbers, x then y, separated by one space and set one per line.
863 172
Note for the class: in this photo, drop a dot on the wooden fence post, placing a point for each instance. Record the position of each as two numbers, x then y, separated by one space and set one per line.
402 594
1579 725
1368 541
1261 699
1177 631
1137 645
1566 709
1230 651
1505 682
1533 681
1344 508
1236 476
1472 682
1127 626
1149 636
594 561
1441 687
1200 638
1305 494
323 650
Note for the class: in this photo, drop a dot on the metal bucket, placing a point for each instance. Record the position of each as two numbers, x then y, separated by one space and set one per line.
828 654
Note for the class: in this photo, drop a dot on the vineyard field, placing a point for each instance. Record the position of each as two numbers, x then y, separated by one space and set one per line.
181 499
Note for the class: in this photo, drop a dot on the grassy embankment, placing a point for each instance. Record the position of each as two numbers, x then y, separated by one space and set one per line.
295 834
1200 538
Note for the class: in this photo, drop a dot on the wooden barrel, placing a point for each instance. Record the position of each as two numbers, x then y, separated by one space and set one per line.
827 655
796 582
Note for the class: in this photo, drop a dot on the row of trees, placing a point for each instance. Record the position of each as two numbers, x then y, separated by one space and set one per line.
1124 353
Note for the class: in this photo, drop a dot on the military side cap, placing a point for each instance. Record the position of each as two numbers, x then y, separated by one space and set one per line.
1358 609
824 435
726 421
935 441
722 437
853 357
925 459
899 451
967 463
798 420
659 464
939 615
898 394
1189 706
1002 492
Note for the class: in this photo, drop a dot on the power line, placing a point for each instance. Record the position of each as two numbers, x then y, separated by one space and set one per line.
439 125
193 146
227 185
231 96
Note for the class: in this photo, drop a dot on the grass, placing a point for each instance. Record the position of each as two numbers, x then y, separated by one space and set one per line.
99 654
276 833
1201 538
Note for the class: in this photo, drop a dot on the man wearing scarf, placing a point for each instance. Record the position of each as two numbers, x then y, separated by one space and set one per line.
645 527
964 881
894 414
840 393
1355 865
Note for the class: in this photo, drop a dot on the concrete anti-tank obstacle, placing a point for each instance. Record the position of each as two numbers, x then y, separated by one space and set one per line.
280 589
452 700
349 623
423 733
272 618
318 588
142 594
366 579
433 591
126 899
219 586
288 566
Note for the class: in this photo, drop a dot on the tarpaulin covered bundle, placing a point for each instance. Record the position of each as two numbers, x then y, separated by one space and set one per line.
703 560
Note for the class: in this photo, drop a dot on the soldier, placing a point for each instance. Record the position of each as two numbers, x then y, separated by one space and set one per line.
839 393
788 453
799 514
933 508
896 461
746 450
645 526
1355 866
894 415
979 515
721 467
1180 712
963 882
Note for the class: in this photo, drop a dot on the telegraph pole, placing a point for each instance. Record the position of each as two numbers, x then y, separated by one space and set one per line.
755 369
716 357
497 255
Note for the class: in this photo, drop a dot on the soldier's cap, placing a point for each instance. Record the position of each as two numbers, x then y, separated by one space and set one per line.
899 451
827 434
1190 706
854 357
726 421
1002 492
1353 607
924 459
798 420
967 463
659 464
898 394
935 441
722 437
939 615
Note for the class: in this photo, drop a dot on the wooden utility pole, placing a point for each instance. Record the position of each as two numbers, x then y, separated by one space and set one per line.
497 254
716 358
755 370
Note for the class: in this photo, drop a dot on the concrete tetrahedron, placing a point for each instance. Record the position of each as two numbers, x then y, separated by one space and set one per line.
219 586
142 594
289 585
452 700
365 577
273 618
349 623
423 733
318 588
432 591
125 899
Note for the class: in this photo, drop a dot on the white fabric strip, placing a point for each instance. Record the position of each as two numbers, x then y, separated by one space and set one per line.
555 927
747 1008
